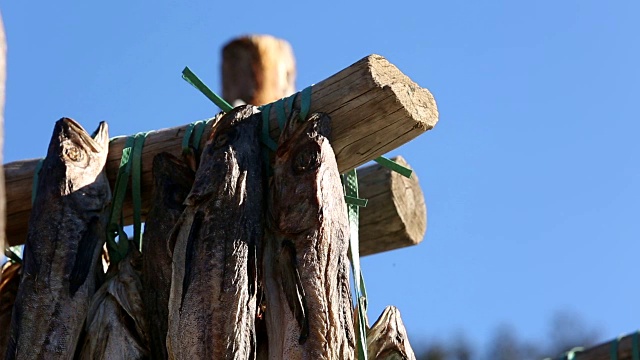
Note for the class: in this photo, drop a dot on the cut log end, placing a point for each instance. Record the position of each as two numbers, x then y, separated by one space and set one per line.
418 102
396 215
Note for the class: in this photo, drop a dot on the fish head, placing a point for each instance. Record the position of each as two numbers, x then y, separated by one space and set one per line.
234 144
82 158
305 172
387 338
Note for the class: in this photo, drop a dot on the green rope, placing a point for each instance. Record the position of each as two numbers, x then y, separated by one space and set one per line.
193 79
350 183
635 348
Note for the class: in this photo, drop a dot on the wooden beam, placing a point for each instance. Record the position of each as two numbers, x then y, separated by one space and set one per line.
374 107
603 351
396 215
257 69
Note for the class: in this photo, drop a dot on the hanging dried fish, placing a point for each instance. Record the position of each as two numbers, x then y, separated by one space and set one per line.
387 339
213 290
66 233
309 314
10 279
173 180
116 328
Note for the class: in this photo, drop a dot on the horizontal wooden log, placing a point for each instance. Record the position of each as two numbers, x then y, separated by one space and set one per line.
374 109
603 351
396 215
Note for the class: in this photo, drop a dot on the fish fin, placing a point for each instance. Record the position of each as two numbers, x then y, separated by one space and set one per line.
292 287
84 257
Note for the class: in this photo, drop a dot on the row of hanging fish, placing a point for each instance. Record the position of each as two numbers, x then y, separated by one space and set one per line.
233 266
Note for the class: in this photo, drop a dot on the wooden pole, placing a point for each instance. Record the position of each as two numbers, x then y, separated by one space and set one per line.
396 215
257 69
374 107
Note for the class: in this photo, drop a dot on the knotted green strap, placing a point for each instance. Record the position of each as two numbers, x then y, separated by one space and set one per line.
130 162
350 183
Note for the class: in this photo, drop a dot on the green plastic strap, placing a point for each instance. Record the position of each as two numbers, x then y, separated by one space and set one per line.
635 347
571 354
12 256
197 134
186 139
281 113
350 181
350 200
118 250
394 166
193 79
613 353
266 138
136 191
305 103
36 177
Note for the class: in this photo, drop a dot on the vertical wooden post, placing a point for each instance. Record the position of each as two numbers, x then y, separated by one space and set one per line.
257 70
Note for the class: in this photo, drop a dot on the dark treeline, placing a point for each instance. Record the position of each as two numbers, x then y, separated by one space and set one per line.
567 330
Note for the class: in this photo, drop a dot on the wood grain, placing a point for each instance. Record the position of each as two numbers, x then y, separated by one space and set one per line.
396 215
374 109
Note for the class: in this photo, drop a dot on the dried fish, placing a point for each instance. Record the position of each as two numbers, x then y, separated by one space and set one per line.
309 314
387 339
61 254
173 180
116 328
9 281
212 305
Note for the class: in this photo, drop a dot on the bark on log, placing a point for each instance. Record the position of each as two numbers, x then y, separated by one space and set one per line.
257 70
396 215
374 109
603 351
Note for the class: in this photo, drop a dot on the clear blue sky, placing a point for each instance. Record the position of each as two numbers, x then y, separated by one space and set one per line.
531 177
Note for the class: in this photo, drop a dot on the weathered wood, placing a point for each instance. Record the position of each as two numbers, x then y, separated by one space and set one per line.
396 215
374 109
603 351
257 69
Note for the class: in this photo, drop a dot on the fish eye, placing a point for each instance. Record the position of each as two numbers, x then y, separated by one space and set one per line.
74 153
306 160
222 139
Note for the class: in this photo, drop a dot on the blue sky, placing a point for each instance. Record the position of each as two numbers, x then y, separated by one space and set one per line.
531 177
